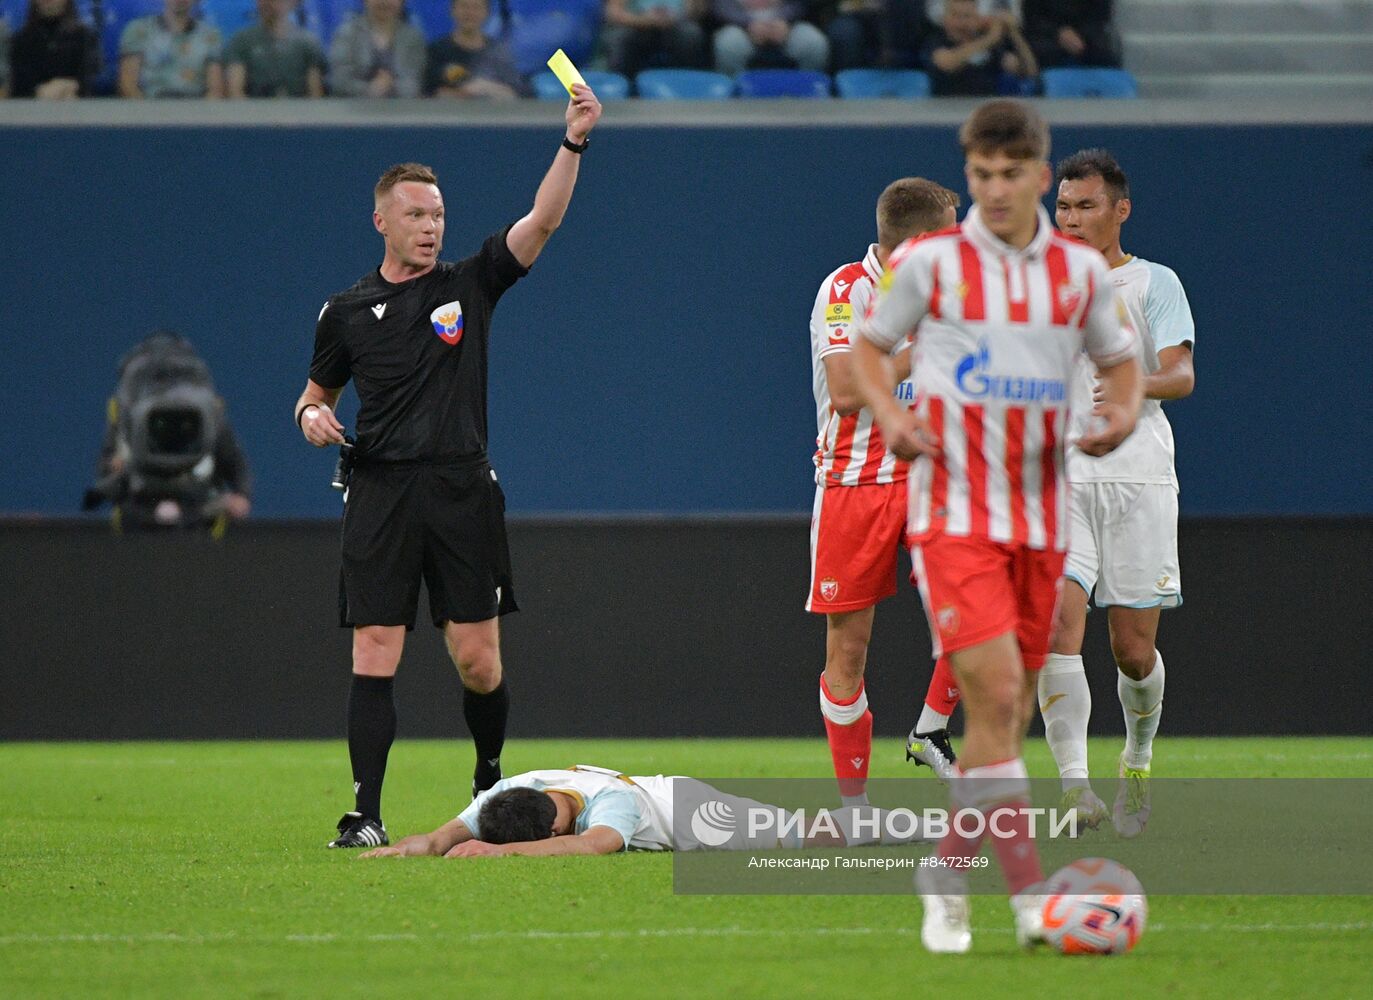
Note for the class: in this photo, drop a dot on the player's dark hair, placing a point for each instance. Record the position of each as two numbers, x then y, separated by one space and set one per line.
1006 126
402 172
911 206
1095 162
517 815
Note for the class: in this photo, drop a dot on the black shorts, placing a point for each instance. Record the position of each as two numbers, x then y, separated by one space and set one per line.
445 523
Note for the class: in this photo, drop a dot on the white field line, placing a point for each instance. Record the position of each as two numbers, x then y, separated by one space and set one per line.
626 935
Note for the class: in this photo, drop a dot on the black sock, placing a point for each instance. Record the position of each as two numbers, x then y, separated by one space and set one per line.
371 730
486 715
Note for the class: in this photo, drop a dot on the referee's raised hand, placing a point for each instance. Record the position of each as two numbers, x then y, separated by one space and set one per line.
583 112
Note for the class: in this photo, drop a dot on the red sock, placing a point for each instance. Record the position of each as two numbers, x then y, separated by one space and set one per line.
943 693
848 725
1000 792
955 844
1017 853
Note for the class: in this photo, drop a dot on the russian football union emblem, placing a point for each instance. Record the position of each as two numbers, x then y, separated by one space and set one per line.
447 320
829 588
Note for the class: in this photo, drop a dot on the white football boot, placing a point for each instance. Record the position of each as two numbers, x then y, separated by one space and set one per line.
1028 908
946 928
1132 803
1091 811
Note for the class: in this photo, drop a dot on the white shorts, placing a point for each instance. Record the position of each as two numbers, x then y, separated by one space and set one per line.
710 819
1123 541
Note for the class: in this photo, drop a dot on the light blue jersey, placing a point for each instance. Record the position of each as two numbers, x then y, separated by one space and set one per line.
606 799
1157 306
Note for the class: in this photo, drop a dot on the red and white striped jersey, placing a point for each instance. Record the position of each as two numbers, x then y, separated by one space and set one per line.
848 449
1000 330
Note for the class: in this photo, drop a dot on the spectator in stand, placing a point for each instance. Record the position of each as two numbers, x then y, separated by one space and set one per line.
905 31
55 55
639 34
767 34
1072 32
974 55
4 57
469 63
275 57
170 55
855 31
377 54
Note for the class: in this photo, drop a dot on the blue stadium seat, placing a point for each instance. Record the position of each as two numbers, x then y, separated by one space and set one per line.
538 28
115 16
1089 83
882 83
608 86
229 16
318 18
683 85
433 17
782 83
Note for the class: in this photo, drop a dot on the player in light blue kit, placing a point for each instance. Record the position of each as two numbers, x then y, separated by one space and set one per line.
592 810
1123 539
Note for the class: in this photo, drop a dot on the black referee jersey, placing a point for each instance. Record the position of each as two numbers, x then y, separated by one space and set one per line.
417 355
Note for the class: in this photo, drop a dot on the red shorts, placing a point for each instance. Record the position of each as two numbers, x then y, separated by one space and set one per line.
855 534
975 589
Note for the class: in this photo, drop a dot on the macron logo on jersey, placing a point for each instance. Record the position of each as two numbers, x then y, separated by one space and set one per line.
841 288
379 310
447 320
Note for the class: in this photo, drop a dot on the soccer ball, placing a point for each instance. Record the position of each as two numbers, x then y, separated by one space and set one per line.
1094 906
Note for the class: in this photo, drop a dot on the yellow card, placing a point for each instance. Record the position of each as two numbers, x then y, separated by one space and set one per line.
564 70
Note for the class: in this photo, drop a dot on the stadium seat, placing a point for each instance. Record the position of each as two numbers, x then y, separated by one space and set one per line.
882 83
433 17
229 16
115 16
1089 83
536 29
683 85
782 83
318 18
608 86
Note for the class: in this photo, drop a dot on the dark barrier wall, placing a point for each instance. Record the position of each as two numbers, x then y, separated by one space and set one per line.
668 628
657 358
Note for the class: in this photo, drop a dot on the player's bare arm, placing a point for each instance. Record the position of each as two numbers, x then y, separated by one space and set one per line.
425 845
1121 388
596 840
843 386
906 433
527 237
1175 378
315 414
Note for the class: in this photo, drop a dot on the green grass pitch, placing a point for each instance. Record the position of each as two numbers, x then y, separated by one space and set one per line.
199 869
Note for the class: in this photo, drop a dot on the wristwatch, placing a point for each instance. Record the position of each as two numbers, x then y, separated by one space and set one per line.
569 144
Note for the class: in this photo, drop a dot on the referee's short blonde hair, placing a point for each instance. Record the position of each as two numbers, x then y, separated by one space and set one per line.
909 207
402 172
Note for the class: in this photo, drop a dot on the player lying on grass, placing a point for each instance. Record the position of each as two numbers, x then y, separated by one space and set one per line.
590 810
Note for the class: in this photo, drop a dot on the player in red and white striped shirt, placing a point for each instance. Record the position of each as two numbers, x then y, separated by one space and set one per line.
1004 305
859 520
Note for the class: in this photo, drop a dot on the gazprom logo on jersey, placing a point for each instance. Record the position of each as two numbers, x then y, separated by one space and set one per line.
447 320
974 377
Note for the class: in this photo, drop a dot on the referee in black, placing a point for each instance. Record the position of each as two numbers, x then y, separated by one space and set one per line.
423 500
